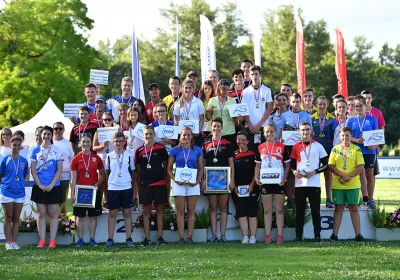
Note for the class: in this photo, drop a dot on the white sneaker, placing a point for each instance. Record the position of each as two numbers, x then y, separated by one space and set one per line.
245 240
252 240
15 246
9 246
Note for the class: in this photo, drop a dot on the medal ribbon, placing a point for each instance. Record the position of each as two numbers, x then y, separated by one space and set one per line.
131 135
361 126
84 162
186 157
305 151
122 161
16 167
47 154
186 107
296 124
79 131
270 152
344 157
221 105
321 123
148 157
257 94
216 150
239 97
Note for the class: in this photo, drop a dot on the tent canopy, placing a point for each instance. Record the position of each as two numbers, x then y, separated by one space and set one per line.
48 115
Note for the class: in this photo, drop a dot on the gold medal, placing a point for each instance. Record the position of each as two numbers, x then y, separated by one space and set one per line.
148 166
257 105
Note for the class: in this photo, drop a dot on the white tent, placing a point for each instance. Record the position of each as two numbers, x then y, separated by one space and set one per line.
48 115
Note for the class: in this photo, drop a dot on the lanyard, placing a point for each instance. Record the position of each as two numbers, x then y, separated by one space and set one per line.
120 163
221 105
186 107
47 154
321 123
257 94
16 167
99 124
215 150
129 100
86 165
344 157
79 131
361 126
148 157
270 155
186 157
305 152
296 124
239 96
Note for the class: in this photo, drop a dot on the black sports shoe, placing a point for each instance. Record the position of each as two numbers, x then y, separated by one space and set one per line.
161 241
365 199
317 238
333 237
359 238
146 242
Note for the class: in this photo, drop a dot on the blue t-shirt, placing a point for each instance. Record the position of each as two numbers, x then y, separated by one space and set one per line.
326 131
9 186
292 120
370 123
47 174
178 154
156 123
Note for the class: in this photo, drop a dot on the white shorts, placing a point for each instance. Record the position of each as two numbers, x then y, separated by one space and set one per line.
6 199
184 190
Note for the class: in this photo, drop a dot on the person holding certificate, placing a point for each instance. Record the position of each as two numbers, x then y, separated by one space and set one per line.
187 158
84 167
272 156
360 123
13 170
218 152
161 110
120 173
151 164
246 204
281 101
46 168
190 108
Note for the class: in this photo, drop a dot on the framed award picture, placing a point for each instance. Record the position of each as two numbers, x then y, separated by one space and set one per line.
85 196
217 179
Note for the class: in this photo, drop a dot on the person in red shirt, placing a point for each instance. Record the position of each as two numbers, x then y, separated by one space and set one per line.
236 89
154 92
85 126
101 104
84 167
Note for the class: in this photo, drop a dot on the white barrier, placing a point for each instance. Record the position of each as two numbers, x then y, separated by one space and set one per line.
389 168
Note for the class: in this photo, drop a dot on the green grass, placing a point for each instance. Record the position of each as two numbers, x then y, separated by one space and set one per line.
307 260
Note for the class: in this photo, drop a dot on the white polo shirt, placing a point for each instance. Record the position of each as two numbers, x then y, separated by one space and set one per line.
65 146
196 109
249 96
115 182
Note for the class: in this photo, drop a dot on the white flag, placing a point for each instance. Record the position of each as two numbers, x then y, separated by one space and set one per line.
207 47
138 91
257 47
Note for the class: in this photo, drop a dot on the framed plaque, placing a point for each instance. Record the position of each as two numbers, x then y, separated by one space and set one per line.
217 179
85 196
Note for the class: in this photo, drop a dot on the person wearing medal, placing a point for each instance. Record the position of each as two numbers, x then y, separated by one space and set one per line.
5 143
320 122
190 108
13 171
154 92
218 108
308 100
218 151
360 123
125 97
151 164
275 118
351 111
101 107
84 168
161 110
213 76
141 107
122 123
186 155
120 169
46 168
174 85
273 154
236 89
85 126
346 163
259 100
308 160
205 94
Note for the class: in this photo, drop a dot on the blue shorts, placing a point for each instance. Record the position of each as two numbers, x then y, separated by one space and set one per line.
120 199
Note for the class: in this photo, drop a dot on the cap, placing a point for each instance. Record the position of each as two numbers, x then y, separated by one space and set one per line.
101 98
153 85
190 73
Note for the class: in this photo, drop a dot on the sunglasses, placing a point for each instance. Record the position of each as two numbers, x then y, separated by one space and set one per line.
58 128
107 120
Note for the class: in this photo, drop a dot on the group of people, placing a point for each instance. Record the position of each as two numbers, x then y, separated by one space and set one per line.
133 170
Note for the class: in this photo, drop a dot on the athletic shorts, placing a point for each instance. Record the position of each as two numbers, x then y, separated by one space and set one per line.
64 184
91 212
184 190
120 199
272 189
247 206
6 199
55 196
376 168
156 194
369 160
341 197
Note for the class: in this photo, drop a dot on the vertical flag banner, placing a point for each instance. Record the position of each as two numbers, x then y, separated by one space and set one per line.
257 46
178 59
207 47
340 63
301 70
138 91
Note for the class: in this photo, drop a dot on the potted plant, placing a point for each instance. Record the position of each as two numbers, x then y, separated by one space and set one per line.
201 224
387 225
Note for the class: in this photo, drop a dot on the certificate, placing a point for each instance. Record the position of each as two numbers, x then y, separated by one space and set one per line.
243 191
106 134
71 109
374 137
85 196
186 175
99 77
270 175
291 137
217 179
167 131
138 131
193 124
236 110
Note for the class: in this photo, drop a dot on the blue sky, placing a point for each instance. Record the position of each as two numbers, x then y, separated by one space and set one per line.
377 20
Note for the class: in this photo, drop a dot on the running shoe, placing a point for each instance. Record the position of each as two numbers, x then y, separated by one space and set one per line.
92 242
52 244
279 239
146 242
9 246
329 203
359 238
371 204
181 241
161 241
317 238
213 239
333 237
223 239
41 244
267 239
245 240
189 241
129 242
252 240
15 246
80 243
109 242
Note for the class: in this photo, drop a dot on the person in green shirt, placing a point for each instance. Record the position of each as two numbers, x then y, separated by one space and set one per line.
205 94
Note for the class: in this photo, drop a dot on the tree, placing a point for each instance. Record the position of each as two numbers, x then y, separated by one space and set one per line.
42 55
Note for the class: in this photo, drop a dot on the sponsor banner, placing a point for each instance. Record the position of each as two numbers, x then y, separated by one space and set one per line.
106 133
193 124
167 131
340 63
99 77
237 110
270 175
301 70
374 137
290 138
71 109
138 131
207 47
389 168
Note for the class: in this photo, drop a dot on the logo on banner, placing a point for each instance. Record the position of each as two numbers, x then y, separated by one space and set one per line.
294 138
377 136
270 176
168 132
240 109
189 124
140 132
186 175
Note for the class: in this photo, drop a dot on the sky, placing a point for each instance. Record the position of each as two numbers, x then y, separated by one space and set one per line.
376 20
